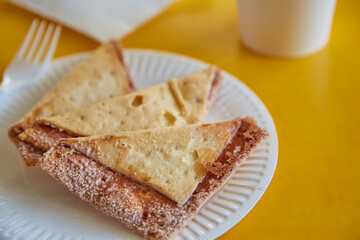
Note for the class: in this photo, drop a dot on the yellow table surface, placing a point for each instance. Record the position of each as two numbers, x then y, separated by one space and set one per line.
315 192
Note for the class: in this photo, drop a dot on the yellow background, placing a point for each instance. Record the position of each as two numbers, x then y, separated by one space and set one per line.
315 192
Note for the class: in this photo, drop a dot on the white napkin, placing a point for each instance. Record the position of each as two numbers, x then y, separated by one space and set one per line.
99 19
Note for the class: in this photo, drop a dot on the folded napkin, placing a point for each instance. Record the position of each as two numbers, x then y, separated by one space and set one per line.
99 19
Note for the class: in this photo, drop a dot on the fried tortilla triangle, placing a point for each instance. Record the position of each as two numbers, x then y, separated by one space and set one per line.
101 75
171 160
174 103
123 175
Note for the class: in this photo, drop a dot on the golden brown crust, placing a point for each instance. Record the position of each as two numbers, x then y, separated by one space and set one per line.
143 210
216 85
118 50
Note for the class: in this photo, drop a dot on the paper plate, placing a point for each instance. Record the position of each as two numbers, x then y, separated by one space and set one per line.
35 206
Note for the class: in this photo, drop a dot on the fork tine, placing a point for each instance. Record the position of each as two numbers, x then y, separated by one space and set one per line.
37 38
27 39
53 43
44 42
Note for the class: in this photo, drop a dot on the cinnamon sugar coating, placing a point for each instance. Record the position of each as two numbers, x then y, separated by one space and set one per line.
142 209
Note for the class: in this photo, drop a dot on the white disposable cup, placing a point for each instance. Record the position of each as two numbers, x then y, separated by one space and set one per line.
286 28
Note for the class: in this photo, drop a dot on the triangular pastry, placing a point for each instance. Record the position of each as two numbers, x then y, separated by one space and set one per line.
101 75
172 161
174 103
154 181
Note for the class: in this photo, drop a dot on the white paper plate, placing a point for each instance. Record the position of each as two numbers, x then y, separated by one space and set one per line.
35 206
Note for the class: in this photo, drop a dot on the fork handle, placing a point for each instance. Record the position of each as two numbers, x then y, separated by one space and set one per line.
6 86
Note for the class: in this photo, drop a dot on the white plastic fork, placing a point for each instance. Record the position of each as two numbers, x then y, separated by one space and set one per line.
26 67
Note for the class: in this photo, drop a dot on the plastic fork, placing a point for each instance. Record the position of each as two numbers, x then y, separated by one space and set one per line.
33 57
